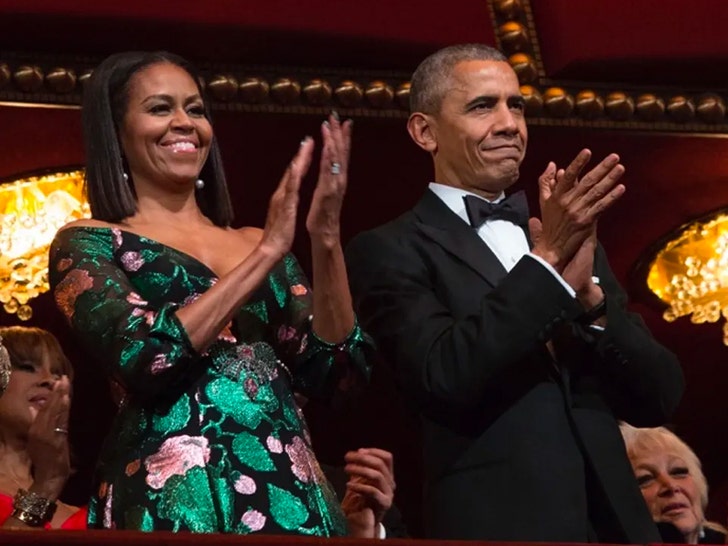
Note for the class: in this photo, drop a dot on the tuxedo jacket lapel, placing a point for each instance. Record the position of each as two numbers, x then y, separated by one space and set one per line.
441 225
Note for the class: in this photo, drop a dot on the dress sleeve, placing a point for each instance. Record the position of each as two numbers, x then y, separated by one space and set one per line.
77 521
318 368
145 349
6 507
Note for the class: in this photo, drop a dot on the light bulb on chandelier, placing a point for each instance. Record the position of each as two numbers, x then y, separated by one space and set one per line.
689 272
32 209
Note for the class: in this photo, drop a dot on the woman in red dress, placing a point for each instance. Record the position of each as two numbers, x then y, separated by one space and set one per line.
34 452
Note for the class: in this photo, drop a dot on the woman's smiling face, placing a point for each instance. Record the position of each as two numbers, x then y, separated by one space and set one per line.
165 134
670 490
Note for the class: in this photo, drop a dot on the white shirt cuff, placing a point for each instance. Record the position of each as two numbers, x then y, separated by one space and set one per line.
551 269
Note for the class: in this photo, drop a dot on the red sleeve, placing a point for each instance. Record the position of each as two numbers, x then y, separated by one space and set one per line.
6 507
77 520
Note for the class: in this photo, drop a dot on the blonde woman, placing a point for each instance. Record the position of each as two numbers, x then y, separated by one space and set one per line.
669 475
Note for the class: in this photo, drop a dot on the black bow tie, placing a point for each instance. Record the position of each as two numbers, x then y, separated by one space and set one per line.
513 208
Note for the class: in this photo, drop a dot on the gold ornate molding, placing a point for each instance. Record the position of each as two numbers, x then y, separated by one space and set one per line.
515 33
58 81
634 108
576 104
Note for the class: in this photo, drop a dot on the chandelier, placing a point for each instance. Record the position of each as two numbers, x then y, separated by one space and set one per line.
690 272
32 209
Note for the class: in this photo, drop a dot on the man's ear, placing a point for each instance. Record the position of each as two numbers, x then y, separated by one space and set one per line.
422 129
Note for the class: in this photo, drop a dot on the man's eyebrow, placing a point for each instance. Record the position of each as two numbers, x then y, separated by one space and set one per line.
512 99
481 98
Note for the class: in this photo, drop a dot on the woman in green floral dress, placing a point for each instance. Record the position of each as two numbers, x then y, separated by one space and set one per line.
206 330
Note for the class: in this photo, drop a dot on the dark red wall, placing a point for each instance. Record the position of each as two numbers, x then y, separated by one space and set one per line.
668 178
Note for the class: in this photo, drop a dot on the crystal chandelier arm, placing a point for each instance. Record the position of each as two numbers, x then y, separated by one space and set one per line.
32 209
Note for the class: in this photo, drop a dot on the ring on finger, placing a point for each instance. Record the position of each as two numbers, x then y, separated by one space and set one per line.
335 167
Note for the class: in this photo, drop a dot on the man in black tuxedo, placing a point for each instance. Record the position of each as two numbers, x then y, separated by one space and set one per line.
519 361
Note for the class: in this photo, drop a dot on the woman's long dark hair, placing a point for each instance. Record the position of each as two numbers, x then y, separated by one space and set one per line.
105 102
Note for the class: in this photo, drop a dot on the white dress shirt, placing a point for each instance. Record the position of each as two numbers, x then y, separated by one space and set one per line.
507 240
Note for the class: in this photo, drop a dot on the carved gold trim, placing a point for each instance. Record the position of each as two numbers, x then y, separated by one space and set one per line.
53 80
515 34
665 109
575 104
57 81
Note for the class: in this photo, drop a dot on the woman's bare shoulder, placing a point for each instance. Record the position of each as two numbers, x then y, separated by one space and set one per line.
87 222
250 235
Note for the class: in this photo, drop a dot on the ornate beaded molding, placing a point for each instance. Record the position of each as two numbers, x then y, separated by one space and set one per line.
56 81
574 104
515 33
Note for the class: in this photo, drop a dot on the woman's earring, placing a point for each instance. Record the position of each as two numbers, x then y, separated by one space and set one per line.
126 176
199 183
5 367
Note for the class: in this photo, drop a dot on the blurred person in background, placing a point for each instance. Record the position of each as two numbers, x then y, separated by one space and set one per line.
670 477
34 450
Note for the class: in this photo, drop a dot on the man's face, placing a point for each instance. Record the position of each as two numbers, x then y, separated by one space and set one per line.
480 131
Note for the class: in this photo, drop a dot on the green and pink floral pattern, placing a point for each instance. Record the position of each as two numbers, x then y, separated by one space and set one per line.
211 442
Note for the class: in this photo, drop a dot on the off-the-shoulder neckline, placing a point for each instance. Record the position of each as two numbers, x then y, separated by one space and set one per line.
149 239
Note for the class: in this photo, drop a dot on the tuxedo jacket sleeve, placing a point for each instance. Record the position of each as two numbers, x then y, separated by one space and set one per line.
452 321
639 378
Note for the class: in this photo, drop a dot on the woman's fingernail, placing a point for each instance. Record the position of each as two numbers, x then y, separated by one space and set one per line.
326 123
335 115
